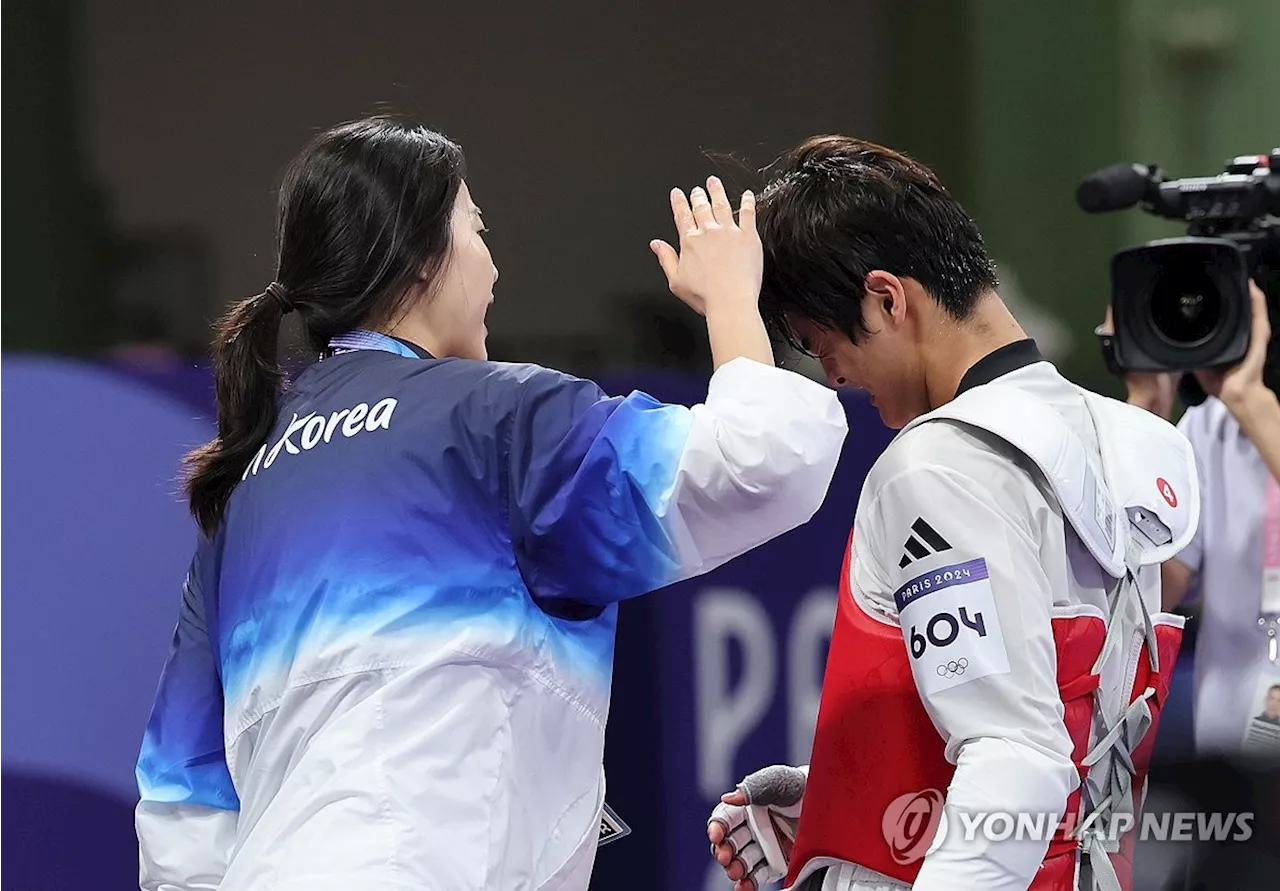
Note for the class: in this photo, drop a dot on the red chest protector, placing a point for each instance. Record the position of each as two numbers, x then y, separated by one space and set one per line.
875 743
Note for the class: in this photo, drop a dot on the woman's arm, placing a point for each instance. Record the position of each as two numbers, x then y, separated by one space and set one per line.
611 498
187 816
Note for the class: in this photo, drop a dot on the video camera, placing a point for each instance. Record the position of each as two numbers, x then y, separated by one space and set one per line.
1180 304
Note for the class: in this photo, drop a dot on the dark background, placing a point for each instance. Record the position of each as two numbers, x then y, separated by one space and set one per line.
143 148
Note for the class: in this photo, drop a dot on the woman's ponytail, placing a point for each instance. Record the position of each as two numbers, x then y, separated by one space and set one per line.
248 381
364 210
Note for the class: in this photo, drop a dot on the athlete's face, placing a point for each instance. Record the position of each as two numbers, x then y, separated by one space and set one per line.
464 289
885 361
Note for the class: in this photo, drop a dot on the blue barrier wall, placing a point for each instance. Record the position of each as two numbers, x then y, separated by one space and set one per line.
95 545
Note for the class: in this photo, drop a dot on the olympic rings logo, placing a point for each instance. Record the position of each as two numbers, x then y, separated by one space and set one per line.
953 669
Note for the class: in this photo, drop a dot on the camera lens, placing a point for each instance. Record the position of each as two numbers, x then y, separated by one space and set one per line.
1186 306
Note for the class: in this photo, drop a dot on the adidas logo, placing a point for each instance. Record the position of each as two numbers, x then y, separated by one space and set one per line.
923 541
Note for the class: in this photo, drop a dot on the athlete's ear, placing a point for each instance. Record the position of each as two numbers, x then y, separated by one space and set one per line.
885 295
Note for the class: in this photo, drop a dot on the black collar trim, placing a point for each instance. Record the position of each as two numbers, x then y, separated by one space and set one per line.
997 363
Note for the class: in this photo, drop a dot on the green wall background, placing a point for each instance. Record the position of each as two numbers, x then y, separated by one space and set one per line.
55 230
1013 101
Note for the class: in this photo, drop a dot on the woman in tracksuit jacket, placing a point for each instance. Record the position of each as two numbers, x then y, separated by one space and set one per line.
392 663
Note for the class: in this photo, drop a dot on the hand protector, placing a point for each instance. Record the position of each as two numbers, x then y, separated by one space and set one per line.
761 832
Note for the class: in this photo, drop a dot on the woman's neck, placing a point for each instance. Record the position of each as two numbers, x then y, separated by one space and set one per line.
415 331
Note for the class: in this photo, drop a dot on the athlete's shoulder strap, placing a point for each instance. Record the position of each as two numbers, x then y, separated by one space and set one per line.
1151 469
1042 434
1145 490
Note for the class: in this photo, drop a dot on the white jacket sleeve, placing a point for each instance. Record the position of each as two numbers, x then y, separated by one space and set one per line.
759 458
962 563
614 497
183 847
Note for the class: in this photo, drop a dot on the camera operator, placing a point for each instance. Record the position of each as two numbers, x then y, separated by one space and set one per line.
1236 437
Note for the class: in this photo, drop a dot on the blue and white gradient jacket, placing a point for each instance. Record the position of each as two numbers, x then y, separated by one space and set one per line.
392 663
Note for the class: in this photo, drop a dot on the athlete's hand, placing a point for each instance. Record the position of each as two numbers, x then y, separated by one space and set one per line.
720 261
753 828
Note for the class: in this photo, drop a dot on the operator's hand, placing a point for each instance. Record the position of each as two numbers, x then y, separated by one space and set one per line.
1241 384
720 261
753 828
1153 390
